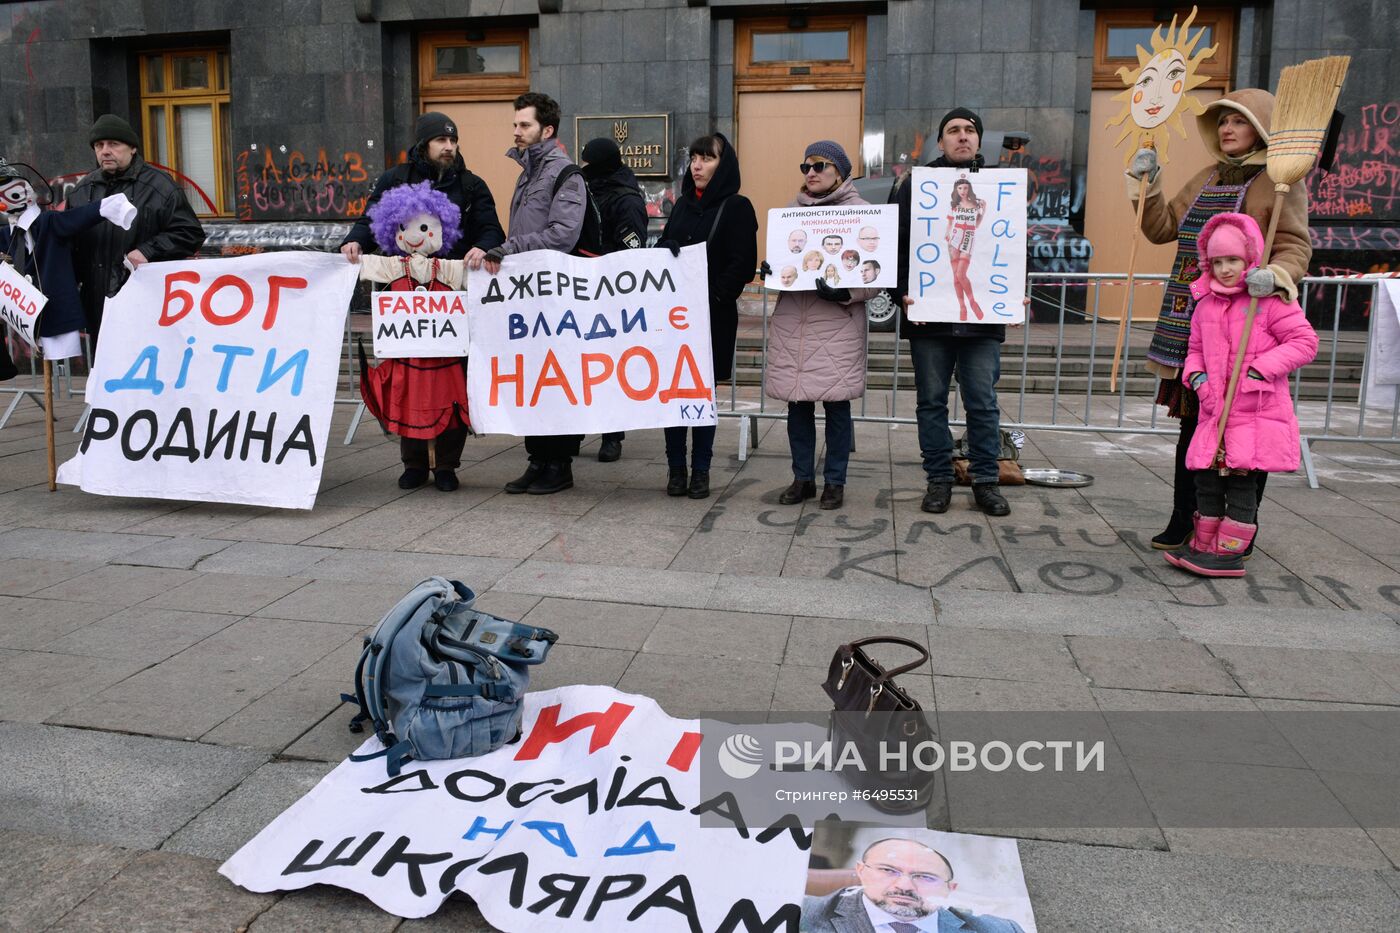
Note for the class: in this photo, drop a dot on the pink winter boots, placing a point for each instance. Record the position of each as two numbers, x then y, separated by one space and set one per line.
1216 549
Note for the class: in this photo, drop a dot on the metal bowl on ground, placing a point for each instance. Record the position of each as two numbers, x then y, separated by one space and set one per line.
1044 476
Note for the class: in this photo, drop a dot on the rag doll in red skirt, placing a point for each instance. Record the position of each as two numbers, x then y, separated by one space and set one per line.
420 399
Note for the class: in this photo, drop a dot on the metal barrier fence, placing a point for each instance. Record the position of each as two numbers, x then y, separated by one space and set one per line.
1071 303
1074 304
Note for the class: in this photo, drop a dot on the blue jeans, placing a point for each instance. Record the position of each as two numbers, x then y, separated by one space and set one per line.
802 438
700 454
977 361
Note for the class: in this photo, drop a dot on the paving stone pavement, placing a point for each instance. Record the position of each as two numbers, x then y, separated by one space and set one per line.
169 671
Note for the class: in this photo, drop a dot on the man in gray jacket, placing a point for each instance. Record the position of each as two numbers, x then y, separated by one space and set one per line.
541 218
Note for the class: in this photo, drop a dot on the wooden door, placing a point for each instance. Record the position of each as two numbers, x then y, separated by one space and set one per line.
484 134
775 127
1109 217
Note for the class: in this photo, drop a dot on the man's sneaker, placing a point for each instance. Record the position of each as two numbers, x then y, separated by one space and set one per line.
556 476
989 499
799 490
610 450
937 498
522 483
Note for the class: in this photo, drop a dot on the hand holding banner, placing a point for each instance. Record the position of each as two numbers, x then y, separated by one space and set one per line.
967 246
850 246
566 345
177 410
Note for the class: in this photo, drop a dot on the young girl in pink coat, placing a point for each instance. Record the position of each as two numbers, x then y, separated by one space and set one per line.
1261 432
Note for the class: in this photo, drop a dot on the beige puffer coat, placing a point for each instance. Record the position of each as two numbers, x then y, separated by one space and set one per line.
816 348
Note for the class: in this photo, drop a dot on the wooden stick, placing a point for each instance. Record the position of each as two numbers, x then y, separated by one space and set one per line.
48 424
1128 294
1279 191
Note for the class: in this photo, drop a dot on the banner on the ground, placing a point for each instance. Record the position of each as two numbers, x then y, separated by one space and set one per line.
20 304
567 345
423 324
967 245
215 381
590 822
847 245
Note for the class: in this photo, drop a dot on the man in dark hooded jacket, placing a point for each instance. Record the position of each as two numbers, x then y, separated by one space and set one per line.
938 349
435 157
166 228
624 211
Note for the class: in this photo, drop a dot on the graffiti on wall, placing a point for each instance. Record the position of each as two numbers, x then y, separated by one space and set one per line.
1055 195
1365 179
280 183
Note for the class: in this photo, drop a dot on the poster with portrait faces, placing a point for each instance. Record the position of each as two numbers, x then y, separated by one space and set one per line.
967 246
926 879
849 246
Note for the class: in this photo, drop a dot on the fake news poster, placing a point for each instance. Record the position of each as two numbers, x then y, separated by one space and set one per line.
215 381
590 822
567 345
20 304
848 245
967 246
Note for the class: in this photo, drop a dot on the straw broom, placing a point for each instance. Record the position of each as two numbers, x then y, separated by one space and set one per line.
1307 95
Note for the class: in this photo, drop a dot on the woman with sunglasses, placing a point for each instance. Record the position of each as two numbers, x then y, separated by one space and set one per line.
711 210
816 346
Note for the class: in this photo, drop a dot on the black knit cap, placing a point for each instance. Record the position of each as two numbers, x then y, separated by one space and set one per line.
433 124
602 155
111 126
960 113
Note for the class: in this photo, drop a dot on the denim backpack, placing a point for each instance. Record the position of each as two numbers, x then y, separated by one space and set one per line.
438 679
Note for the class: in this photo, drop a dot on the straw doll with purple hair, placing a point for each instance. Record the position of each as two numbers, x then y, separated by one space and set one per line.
419 399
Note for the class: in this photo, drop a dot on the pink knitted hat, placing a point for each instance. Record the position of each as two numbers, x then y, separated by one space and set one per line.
1228 240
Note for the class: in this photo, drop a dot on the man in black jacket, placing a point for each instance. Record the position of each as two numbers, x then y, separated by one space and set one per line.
624 209
165 228
435 157
938 349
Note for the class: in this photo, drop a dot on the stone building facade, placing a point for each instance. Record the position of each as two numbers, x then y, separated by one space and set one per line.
303 102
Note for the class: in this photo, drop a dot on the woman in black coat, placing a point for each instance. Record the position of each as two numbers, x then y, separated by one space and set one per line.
711 210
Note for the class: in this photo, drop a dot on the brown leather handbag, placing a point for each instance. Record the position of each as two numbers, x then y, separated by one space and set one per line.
877 715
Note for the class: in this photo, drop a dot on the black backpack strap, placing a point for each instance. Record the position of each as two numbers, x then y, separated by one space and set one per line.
719 215
569 171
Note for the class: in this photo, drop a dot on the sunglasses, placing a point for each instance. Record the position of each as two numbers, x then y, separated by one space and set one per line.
817 167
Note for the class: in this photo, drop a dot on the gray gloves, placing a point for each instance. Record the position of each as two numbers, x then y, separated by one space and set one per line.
1260 282
1144 164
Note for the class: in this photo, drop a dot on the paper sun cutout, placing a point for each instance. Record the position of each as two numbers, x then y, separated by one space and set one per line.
1156 92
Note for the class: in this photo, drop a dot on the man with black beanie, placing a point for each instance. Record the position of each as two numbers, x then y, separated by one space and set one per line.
435 157
166 227
972 350
624 211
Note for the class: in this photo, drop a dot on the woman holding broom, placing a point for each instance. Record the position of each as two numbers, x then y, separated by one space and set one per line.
1236 130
